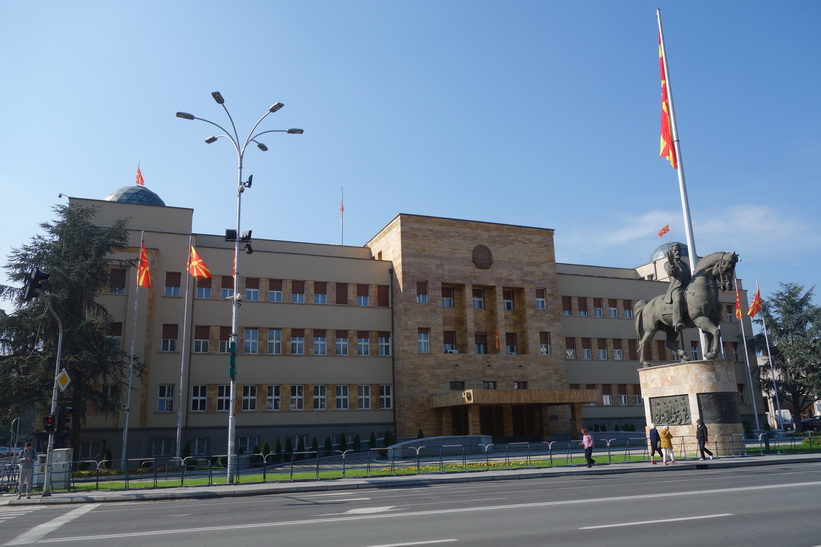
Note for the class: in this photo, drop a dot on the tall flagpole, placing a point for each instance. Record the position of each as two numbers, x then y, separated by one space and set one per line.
685 204
778 423
342 218
127 412
184 350
746 352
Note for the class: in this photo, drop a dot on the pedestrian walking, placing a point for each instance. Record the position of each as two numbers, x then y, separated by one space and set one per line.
25 459
654 442
667 446
587 443
701 437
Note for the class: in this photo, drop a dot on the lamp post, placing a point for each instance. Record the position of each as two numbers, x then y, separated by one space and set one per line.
239 148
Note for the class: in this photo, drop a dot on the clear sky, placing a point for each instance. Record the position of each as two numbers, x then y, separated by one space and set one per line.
537 113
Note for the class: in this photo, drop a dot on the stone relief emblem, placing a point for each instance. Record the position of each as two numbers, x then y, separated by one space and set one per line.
482 257
671 410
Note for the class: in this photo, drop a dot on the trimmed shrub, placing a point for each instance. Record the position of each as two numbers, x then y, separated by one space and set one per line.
357 442
277 452
329 446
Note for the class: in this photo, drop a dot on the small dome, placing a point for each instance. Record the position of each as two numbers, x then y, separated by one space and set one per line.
661 251
135 194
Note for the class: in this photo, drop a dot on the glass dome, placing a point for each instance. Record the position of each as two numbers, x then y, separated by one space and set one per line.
135 194
661 251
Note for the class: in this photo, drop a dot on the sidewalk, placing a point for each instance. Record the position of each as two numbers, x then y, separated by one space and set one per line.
203 492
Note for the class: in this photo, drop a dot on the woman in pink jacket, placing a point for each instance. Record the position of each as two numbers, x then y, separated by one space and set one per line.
587 443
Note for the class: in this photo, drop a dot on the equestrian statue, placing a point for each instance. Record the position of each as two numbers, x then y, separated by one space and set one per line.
691 301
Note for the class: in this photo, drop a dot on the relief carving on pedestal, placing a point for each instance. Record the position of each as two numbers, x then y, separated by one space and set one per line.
670 410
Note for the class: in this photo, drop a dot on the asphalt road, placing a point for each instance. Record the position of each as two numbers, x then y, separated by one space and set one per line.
773 505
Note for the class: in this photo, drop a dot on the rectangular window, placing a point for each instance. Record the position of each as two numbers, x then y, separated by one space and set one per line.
320 292
570 348
567 305
204 289
199 446
597 308
274 290
614 312
457 386
273 398
480 342
520 385
742 398
223 398
384 344
587 350
617 352
602 355
246 443
320 397
730 311
383 296
250 344
227 287
479 299
162 448
110 393
489 384
364 397
252 294
362 298
582 306
298 397
298 292
544 343
385 396
165 398
602 345
423 340
637 399
274 341
623 399
342 398
342 342
449 338
422 292
694 351
199 398
736 355
628 309
607 395
507 299
169 337
116 281
114 332
541 299
342 294
320 342
447 296
363 343
249 398
172 284
297 341
511 347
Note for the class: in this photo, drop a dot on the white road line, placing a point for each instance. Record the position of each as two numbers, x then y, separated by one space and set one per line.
431 542
410 514
39 532
641 522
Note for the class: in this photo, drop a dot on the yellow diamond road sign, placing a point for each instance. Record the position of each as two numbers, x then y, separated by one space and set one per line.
63 380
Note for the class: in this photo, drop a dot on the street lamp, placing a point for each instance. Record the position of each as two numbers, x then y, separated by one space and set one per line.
240 148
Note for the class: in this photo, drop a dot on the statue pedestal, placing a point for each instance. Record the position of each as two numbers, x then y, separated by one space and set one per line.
678 394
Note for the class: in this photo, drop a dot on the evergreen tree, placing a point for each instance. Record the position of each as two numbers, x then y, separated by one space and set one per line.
277 451
77 255
329 446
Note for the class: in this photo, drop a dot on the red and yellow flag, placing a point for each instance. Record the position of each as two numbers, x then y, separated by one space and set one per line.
667 149
140 179
497 338
664 230
196 265
737 305
755 307
143 274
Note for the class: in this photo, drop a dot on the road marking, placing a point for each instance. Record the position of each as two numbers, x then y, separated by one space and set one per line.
430 542
405 515
40 531
641 522
369 510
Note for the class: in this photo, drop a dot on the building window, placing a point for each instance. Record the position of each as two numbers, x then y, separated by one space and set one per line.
362 298
250 344
227 284
423 340
341 342
342 398
273 398
449 338
274 290
165 398
297 341
457 386
607 399
618 355
602 345
694 351
274 341
480 343
384 344
169 337
363 343
570 348
544 343
383 296
204 289
116 281
342 294
385 396
510 343
602 355
320 397
582 301
249 398
223 398
567 305
507 299
199 398
110 393
623 399
114 332
298 292
199 446
479 299
225 340
730 310
587 354
364 397
489 384
520 385
422 292
736 355
247 443
320 292
447 296
637 399
320 342
252 289
541 299
628 309
614 313
742 398
172 284
162 448
298 397
201 335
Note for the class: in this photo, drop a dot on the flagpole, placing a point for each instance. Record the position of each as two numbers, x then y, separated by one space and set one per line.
746 353
184 351
772 367
127 412
342 218
685 203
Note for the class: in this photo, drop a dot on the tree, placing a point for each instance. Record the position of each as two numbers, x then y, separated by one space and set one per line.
77 255
794 330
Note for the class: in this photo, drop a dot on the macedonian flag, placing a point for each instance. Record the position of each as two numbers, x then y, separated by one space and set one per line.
667 149
755 307
143 274
737 305
196 265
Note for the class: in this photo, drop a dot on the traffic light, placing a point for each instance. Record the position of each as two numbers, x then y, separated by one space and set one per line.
48 423
34 280
64 417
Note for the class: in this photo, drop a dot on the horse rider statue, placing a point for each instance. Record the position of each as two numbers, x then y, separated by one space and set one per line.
679 273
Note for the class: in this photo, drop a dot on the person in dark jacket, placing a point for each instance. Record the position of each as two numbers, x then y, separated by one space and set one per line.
701 437
654 444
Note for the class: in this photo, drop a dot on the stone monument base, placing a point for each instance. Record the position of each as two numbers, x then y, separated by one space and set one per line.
678 394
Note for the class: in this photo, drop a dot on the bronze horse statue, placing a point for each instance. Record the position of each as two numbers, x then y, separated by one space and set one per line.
713 273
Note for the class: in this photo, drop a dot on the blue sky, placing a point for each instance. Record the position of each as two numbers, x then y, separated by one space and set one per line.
537 113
